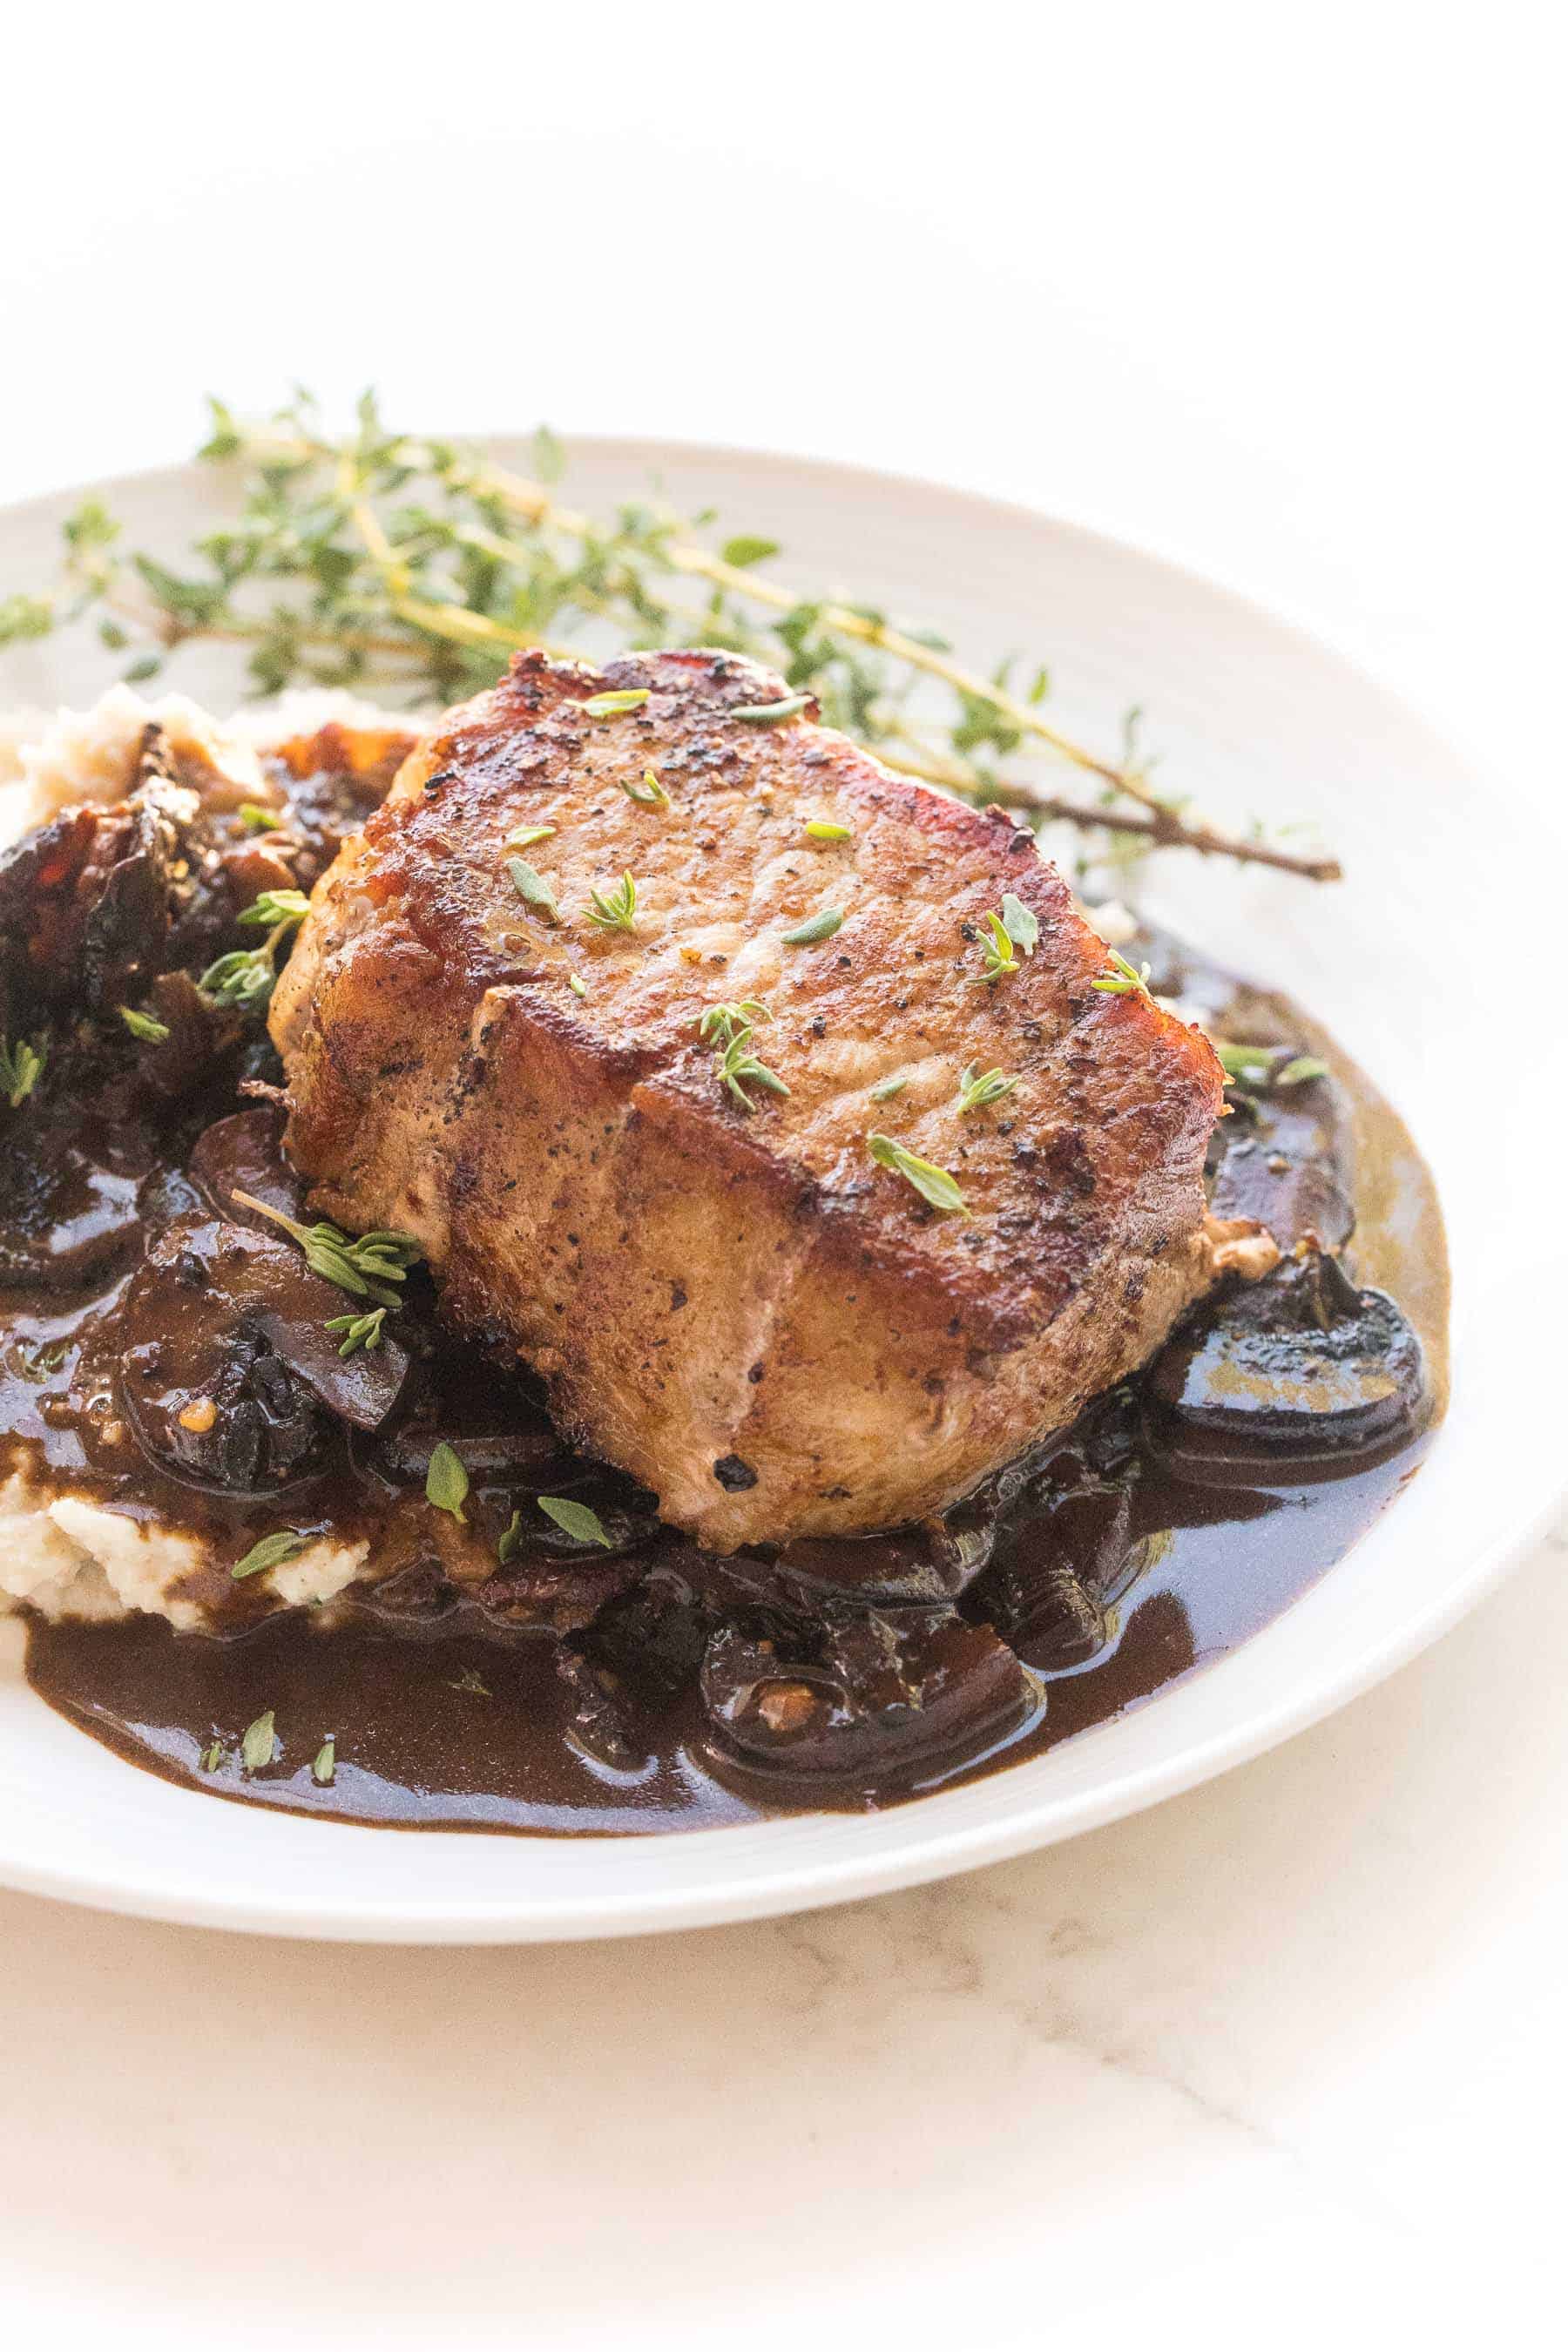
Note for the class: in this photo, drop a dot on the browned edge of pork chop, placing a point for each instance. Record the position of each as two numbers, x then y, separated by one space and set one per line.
741 1306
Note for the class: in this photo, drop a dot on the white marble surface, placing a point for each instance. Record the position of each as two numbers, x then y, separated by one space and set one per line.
1282 2062
1295 2039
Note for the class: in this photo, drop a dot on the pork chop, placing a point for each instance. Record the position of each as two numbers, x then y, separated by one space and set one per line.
731 1291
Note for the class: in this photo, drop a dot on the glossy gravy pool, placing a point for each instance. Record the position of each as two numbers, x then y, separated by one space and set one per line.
439 1717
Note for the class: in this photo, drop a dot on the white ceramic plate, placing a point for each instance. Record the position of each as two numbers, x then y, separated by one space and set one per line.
1419 962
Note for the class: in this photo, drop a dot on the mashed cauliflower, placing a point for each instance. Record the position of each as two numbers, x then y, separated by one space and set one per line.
60 1553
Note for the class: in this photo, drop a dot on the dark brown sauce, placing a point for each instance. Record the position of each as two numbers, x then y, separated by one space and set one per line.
650 1687
419 1747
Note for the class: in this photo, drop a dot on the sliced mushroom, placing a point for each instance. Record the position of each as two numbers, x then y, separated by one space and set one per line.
1301 1367
598 1721
244 1154
881 1693
503 1441
1058 1563
229 1378
1285 1164
361 1388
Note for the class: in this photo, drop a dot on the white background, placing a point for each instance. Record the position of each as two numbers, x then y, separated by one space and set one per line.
1279 292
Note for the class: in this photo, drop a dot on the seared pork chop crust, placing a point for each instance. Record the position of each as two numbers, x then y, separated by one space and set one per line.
778 1335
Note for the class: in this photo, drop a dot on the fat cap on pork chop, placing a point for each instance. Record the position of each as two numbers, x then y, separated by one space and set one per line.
775 1333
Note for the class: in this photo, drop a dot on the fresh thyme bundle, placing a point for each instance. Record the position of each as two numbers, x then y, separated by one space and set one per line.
392 562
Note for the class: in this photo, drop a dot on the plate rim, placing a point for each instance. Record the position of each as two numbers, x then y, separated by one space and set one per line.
1317 1691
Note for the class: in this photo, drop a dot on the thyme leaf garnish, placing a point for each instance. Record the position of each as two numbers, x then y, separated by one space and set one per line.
997 949
247 976
648 794
816 928
977 1088
257 819
728 1029
325 1766
722 1021
889 1088
821 828
526 837
1021 923
366 1266
211 1756
359 1331
576 1520
21 1067
741 551
618 911
934 1184
144 1025
1244 1065
611 705
447 1483
280 908
533 889
771 714
576 983
1251 1069
738 1068
1122 979
259 1744
288 1543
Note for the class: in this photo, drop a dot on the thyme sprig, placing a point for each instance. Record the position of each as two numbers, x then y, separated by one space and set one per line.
368 1266
617 910
365 1331
398 561
245 977
977 1089
996 949
276 909
728 1029
1121 978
